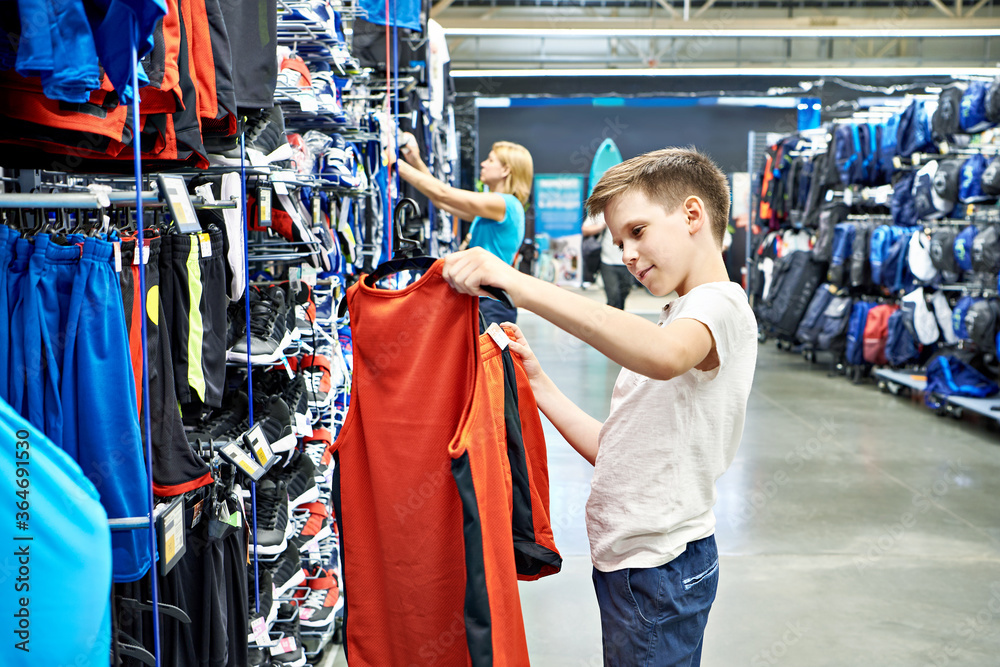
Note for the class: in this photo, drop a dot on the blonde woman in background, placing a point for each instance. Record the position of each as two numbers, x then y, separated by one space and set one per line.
497 216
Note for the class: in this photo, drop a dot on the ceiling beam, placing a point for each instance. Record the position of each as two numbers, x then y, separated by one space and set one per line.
666 5
439 7
975 8
943 8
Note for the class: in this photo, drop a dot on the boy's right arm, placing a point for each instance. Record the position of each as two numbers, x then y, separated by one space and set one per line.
578 428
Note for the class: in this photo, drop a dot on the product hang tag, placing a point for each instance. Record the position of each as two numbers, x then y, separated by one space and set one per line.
264 205
118 256
206 244
317 211
196 513
286 645
170 535
232 453
260 447
498 335
302 425
258 632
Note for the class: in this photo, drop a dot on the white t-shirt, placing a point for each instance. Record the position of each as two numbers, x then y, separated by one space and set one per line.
666 443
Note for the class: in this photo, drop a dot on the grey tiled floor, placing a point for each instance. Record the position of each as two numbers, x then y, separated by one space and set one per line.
854 527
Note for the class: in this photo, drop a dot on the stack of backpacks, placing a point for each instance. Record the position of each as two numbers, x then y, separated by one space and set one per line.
792 186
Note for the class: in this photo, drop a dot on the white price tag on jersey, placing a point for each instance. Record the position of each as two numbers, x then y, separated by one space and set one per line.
206 244
498 335
118 256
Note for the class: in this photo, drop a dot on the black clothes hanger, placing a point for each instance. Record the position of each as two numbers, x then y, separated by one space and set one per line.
408 257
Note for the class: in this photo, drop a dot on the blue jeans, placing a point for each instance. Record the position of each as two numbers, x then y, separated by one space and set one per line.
656 617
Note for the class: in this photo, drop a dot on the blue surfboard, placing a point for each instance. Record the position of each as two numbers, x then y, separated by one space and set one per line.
607 156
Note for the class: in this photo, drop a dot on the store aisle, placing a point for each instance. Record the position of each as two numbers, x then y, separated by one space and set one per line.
856 528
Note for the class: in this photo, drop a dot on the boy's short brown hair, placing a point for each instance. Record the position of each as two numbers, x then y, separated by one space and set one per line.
668 176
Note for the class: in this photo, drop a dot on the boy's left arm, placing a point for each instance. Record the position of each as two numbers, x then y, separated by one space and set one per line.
631 341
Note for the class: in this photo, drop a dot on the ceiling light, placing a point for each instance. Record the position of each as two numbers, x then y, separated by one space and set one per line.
791 33
887 72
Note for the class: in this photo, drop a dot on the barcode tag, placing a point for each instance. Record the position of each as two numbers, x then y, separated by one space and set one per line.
498 335
258 634
286 645
118 256
303 426
206 244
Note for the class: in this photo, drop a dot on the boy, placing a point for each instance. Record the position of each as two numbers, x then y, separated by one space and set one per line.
678 406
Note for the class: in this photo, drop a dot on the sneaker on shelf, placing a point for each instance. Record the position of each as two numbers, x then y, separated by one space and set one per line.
275 419
272 518
336 162
274 381
258 656
218 424
305 309
269 334
268 605
288 652
319 449
328 96
299 476
317 371
287 572
323 601
317 526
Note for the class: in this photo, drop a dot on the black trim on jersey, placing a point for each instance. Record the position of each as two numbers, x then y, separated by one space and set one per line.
529 556
478 628
338 514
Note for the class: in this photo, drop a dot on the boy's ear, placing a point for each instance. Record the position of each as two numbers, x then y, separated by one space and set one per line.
697 215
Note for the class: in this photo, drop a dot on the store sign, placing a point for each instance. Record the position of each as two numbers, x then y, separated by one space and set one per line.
558 204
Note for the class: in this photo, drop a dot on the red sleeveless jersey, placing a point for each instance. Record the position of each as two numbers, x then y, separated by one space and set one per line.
425 504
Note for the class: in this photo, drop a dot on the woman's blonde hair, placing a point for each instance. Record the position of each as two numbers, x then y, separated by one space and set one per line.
522 169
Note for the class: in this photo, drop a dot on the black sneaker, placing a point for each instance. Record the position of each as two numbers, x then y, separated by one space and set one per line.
287 572
275 421
272 517
275 382
268 605
300 477
269 334
221 424
287 626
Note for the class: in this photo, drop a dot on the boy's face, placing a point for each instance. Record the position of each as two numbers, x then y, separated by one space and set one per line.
656 245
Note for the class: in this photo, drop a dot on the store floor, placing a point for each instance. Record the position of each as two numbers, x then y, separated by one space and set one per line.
854 527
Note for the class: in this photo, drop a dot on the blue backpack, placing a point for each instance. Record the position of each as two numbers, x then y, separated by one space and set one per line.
856 333
896 274
902 205
914 134
810 326
833 324
883 237
950 376
900 345
888 148
843 242
848 154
